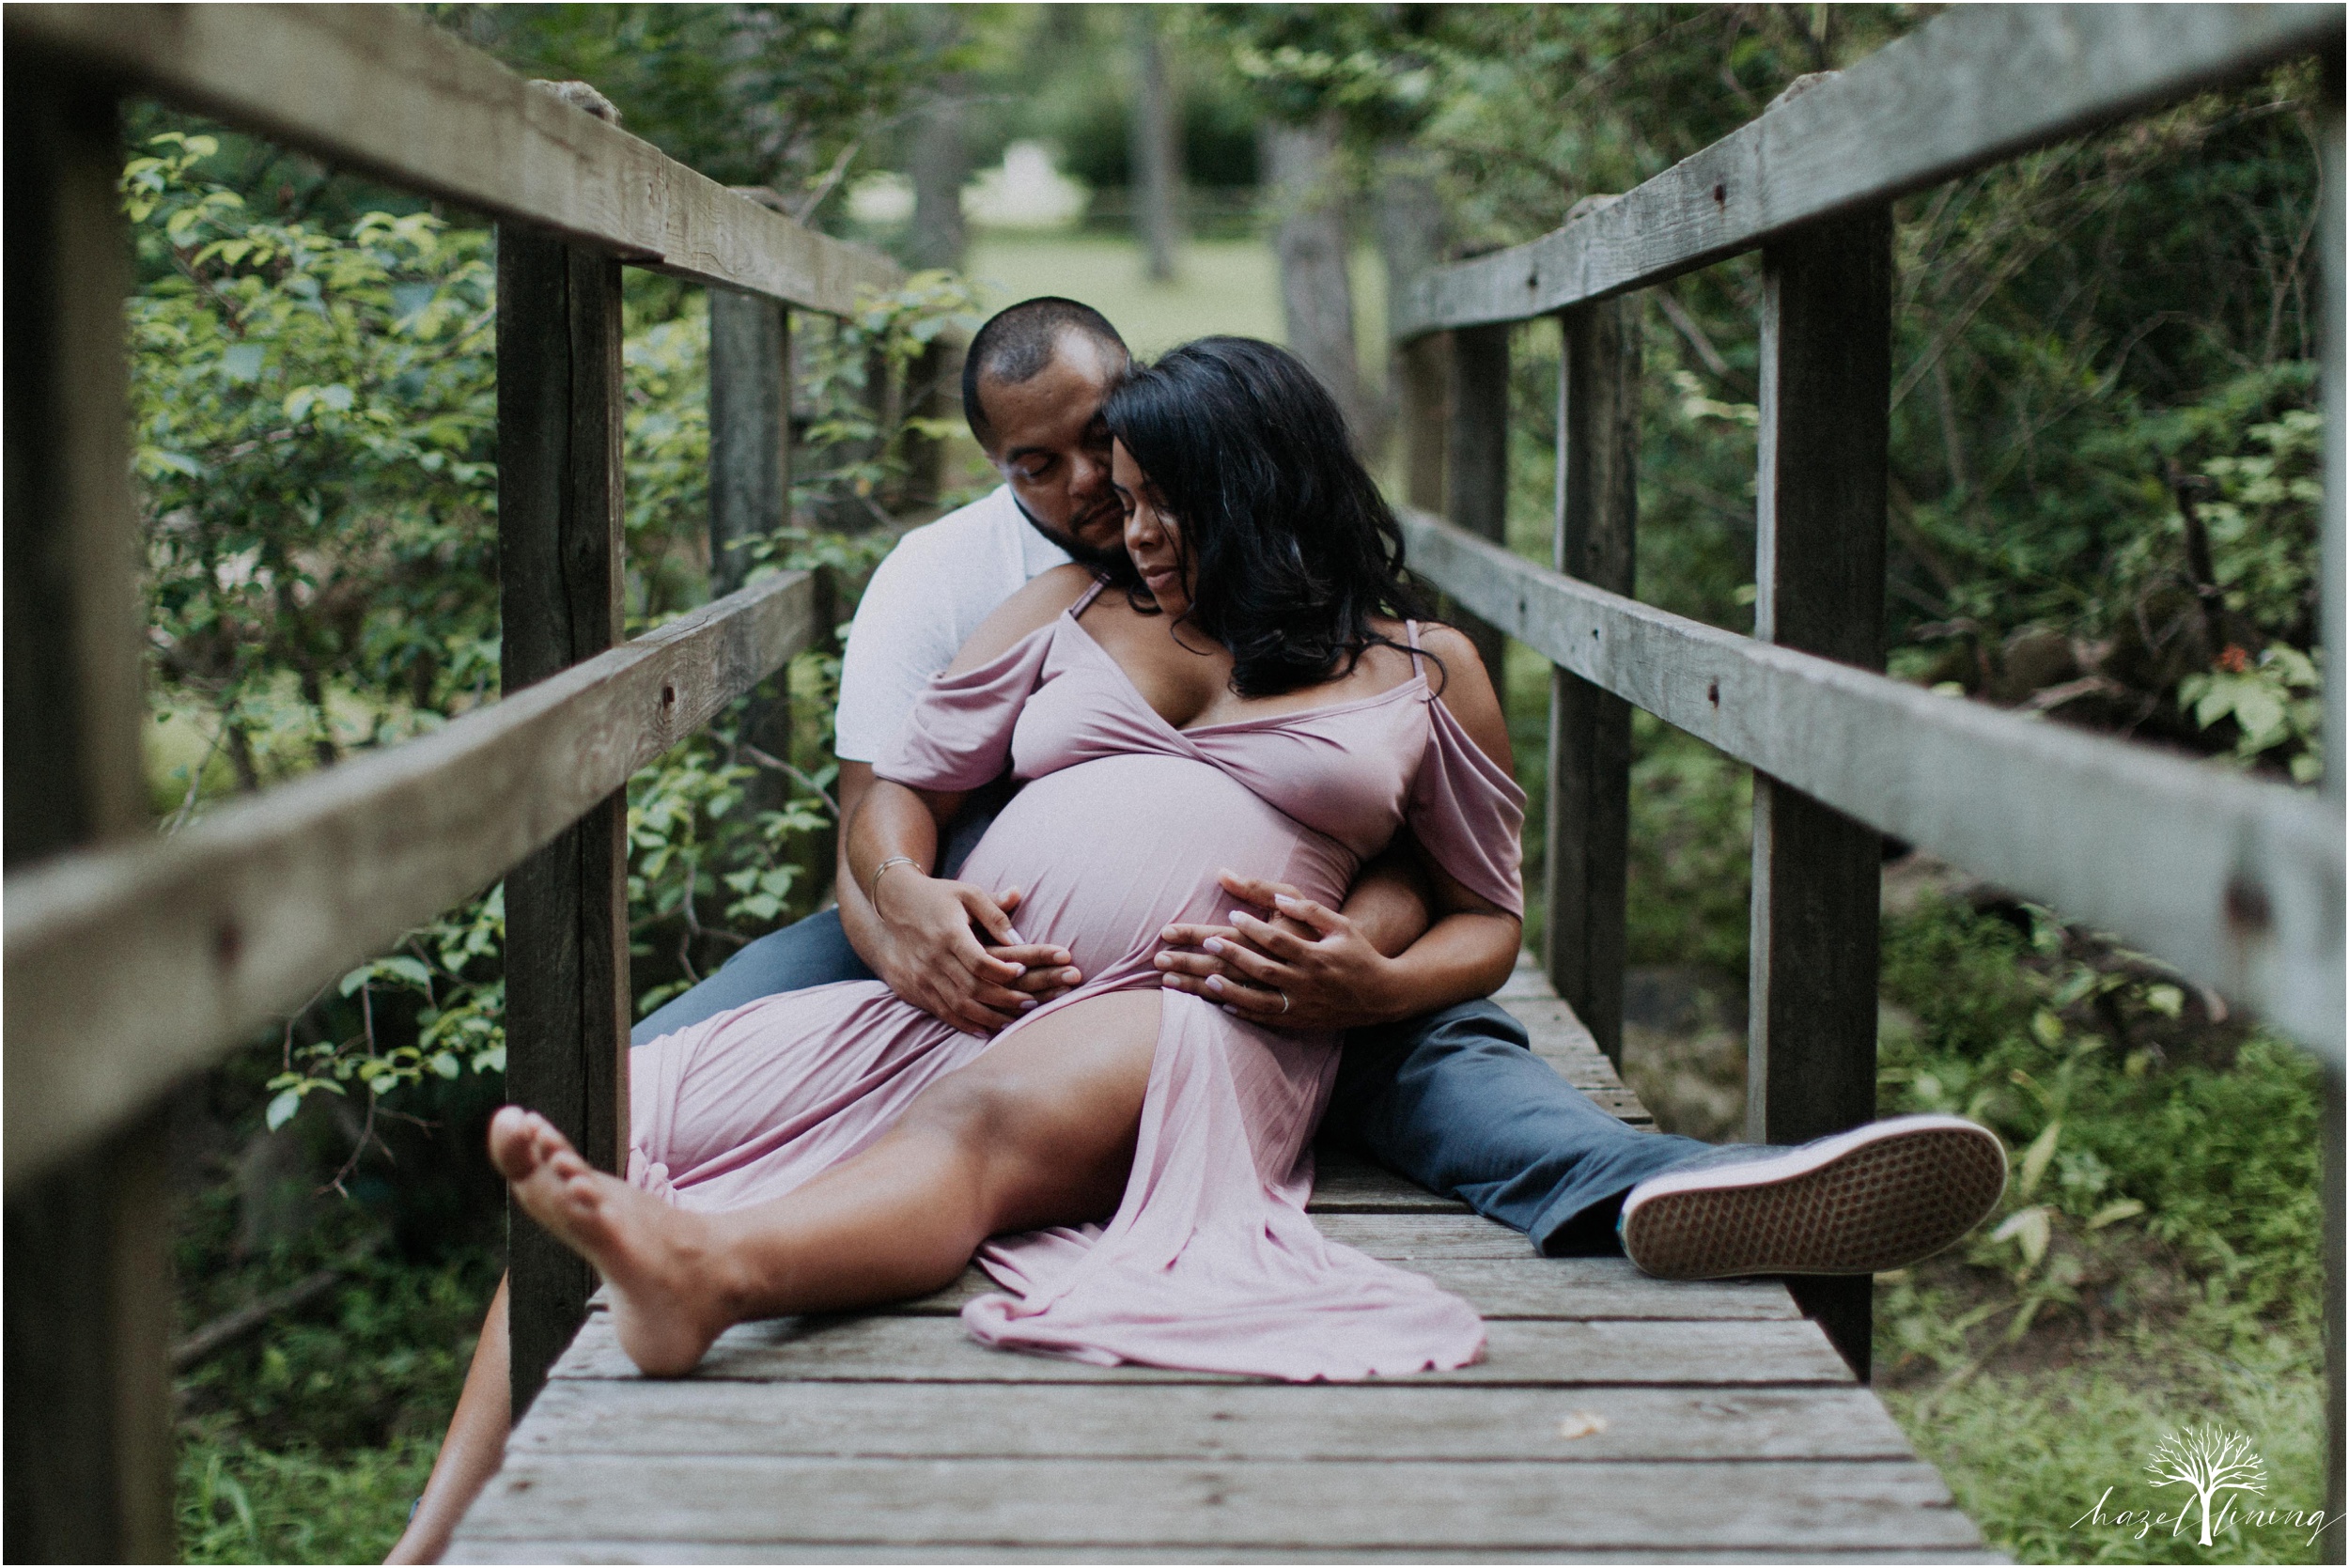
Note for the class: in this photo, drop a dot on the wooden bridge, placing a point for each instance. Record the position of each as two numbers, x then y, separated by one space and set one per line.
1616 1418
1613 1417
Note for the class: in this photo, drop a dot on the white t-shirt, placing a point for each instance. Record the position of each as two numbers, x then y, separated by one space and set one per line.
925 599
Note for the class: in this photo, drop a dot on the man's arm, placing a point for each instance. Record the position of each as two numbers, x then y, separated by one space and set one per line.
945 946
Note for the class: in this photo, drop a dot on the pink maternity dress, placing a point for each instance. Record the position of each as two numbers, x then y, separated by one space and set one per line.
1210 1262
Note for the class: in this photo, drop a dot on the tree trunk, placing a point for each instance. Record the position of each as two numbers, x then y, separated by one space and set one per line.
1157 151
1316 295
1410 220
942 163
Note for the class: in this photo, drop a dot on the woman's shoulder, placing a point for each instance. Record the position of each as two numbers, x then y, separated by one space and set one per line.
1036 605
1465 687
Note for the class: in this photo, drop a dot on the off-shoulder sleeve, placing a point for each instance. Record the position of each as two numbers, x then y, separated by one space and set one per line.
958 736
1467 813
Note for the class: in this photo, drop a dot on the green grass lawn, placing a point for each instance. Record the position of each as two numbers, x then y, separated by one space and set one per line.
1223 286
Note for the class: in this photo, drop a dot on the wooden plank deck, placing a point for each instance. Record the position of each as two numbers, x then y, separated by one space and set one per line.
1615 1417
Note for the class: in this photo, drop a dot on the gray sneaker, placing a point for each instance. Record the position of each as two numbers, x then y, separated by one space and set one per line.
1880 1196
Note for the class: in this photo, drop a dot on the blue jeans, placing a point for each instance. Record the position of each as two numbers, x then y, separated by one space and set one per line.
1457 1101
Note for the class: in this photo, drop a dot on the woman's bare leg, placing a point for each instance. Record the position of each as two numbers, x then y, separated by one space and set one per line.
475 1447
1039 1131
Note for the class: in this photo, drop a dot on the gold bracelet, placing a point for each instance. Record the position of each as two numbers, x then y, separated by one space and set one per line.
872 891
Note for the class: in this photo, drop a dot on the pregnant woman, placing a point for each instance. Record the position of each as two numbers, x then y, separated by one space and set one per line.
1129 1164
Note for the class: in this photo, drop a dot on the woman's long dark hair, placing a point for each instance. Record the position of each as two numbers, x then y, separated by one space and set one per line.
1289 546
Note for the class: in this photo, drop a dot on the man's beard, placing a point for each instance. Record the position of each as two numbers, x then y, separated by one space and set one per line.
1113 565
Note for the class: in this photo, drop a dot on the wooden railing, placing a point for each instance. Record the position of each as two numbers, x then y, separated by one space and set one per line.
2238 884
132 961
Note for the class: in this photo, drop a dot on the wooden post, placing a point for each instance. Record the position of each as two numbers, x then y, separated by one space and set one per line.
1477 462
1819 578
88 1271
750 429
1590 730
2333 1546
559 566
1423 382
749 491
933 391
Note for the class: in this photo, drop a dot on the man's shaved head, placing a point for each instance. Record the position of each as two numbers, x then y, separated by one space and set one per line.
1017 344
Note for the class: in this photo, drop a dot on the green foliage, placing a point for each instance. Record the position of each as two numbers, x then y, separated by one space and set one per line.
243 1503
2273 701
1691 851
314 415
316 411
2140 1132
788 96
2030 1455
2088 341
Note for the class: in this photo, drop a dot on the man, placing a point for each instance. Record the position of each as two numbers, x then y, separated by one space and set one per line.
1453 1098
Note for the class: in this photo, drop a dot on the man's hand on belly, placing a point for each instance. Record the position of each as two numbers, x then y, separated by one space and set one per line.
1296 965
951 951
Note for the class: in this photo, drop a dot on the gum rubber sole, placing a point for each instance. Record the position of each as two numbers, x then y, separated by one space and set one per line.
1879 1197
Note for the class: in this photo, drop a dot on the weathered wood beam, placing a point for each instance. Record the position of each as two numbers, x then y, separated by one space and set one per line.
1827 381
749 484
1589 838
1424 371
88 1279
750 430
2237 883
127 966
1476 457
386 95
1974 86
560 571
2333 1543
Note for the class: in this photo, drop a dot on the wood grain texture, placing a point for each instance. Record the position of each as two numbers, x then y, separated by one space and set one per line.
1517 1353
1424 400
1823 460
750 430
2333 269
2237 883
560 573
1546 1289
127 966
1346 1183
88 1297
1397 1419
573 1551
1973 85
1784 1504
1709 1421
1476 456
386 95
1595 538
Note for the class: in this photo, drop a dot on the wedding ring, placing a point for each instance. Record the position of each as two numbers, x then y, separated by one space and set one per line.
1285 1000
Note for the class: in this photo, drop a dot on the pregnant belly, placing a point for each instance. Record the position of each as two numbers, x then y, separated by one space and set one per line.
1110 851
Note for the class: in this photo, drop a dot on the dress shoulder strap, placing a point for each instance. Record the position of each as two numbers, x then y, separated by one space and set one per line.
1084 601
1410 633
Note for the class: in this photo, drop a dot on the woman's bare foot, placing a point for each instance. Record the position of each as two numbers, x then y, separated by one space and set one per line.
665 1305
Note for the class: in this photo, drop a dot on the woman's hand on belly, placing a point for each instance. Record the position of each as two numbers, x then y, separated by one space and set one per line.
1307 967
